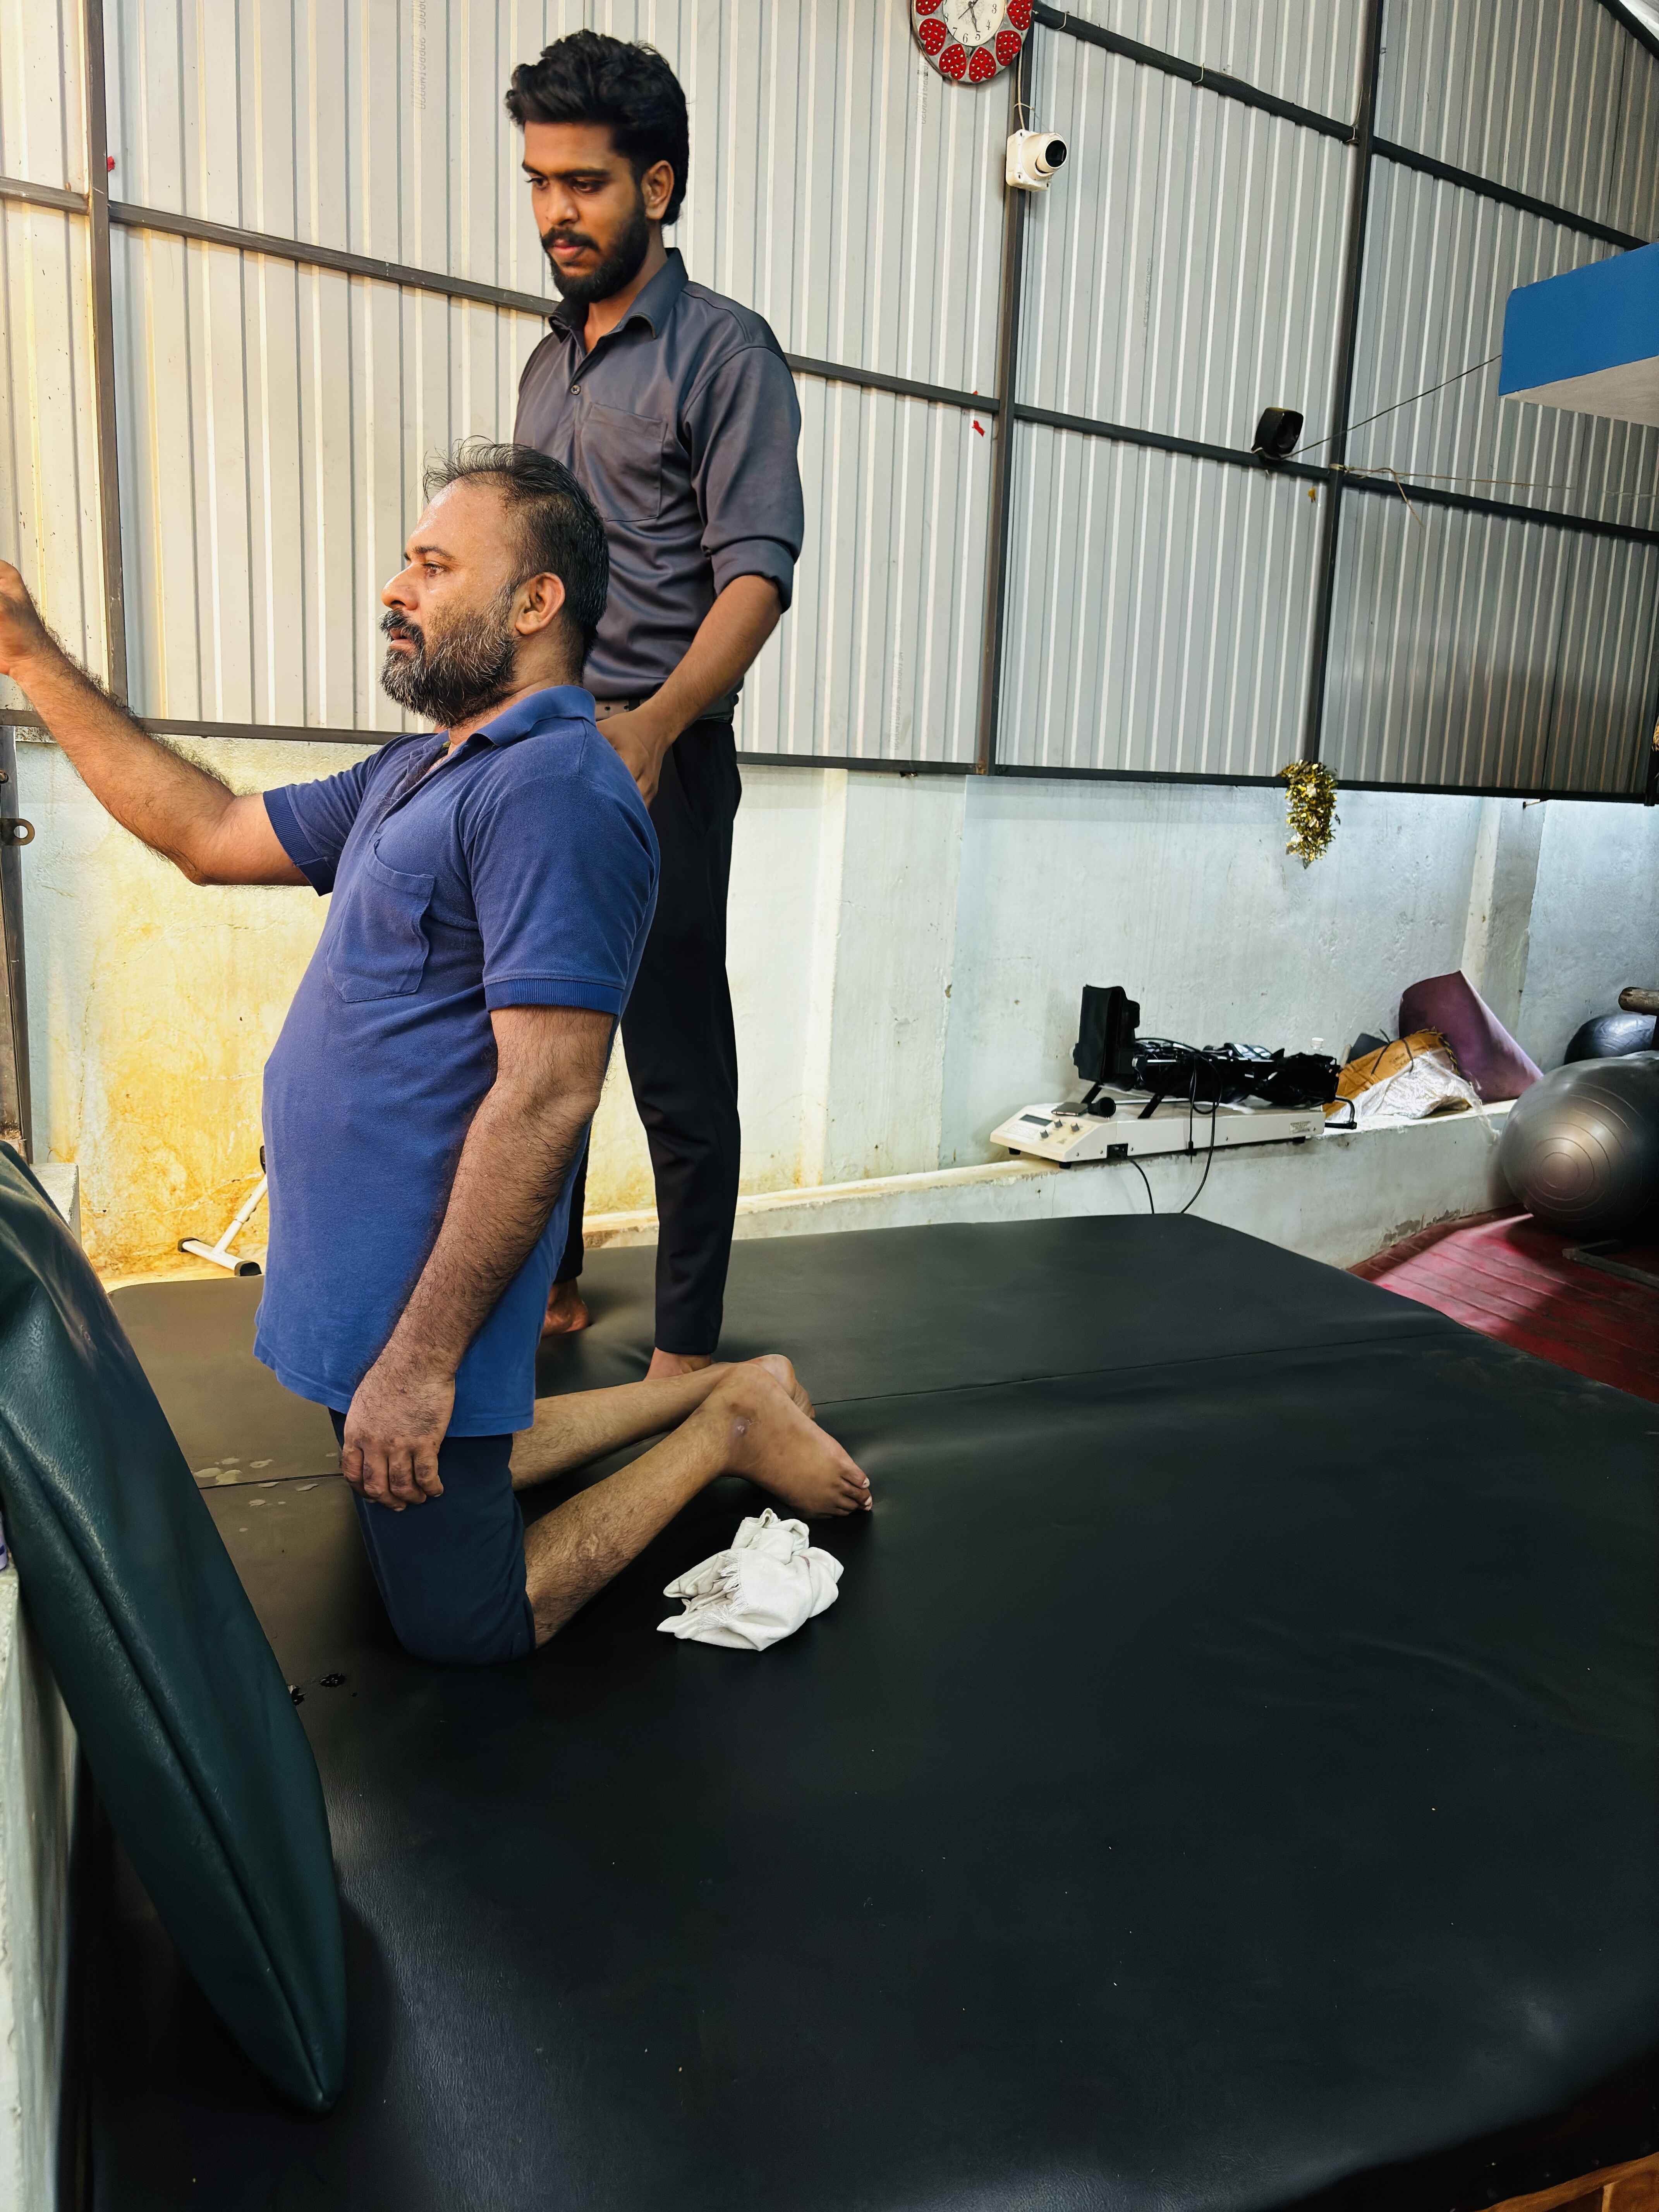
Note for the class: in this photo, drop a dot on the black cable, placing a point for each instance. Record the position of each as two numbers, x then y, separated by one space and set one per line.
1151 1203
1399 403
1209 1158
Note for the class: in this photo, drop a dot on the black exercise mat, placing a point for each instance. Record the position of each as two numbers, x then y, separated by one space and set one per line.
879 1312
1223 1782
233 1420
873 1314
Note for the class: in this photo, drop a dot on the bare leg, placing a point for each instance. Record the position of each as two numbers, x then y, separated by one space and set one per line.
585 1425
664 1363
747 1424
567 1311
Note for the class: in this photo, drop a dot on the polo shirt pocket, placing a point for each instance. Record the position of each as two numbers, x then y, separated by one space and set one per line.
380 952
622 463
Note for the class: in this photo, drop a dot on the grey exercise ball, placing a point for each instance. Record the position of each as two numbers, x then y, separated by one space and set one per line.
1613 1037
1581 1149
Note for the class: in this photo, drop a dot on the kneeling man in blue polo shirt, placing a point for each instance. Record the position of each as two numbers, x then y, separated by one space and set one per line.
429 1096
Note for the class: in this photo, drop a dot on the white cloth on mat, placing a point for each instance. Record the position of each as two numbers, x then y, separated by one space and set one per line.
768 1581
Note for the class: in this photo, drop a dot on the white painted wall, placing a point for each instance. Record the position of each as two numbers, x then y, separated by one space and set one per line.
1185 895
1595 920
906 954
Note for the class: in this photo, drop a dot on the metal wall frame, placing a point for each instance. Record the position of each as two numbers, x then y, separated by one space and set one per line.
15 1119
1006 412
1339 481
1347 337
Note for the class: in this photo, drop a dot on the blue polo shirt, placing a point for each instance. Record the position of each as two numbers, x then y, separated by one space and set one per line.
521 873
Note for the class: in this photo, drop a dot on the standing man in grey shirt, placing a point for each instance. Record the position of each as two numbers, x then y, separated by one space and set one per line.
676 411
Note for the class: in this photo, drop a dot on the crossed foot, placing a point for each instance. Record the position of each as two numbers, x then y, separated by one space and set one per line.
770 1435
567 1311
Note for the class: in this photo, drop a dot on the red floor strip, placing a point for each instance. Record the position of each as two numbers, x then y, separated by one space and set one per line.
1506 1275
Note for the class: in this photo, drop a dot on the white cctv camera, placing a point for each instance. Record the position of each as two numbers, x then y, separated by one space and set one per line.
1033 157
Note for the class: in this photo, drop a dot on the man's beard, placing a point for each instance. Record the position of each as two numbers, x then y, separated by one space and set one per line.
466 669
612 271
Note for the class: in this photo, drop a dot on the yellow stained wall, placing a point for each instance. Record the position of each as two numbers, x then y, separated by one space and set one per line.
153 1004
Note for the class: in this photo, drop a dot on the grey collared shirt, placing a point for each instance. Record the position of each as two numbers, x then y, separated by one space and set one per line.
681 425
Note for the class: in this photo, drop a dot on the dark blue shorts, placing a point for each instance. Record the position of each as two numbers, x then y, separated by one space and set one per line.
451 1571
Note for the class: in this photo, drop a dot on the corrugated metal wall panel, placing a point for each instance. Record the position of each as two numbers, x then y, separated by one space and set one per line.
1472 651
878 658
371 125
1443 644
48 442
1607 678
268 484
1525 92
274 422
1307 50
1158 612
1185 270
837 184
1633 192
1440 264
40 132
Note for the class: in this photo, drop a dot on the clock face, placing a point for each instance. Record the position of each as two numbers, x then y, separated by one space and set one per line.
976 22
970 41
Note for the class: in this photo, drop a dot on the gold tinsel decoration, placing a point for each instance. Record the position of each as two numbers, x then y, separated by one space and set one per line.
1309 808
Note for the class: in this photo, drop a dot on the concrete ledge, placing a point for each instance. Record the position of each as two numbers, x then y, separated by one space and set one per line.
1340 1198
61 1181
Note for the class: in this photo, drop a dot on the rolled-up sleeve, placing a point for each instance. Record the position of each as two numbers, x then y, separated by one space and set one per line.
563 881
743 422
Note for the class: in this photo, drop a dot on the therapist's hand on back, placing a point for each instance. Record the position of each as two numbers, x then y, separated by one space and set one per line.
396 1419
640 741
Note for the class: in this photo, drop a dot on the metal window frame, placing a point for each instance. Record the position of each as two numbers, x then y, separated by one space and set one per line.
1004 409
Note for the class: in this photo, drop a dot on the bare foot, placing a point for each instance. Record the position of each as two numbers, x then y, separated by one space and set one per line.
782 1372
769 1440
665 1364
566 1312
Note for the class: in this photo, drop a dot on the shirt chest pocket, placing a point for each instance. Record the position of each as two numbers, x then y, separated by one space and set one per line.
622 463
379 950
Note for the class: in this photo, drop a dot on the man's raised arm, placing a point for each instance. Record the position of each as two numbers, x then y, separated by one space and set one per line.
178 809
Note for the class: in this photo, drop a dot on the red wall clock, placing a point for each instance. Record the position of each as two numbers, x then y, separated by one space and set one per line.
970 41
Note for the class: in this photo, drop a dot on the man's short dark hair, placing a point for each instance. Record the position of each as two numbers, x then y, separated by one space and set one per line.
560 532
589 78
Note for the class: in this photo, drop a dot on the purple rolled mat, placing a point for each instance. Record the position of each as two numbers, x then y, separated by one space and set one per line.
1485 1051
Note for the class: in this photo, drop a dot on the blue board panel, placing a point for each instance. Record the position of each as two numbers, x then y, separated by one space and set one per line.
1588 339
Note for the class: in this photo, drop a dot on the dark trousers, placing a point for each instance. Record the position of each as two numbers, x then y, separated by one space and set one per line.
681 1047
451 1571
